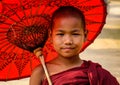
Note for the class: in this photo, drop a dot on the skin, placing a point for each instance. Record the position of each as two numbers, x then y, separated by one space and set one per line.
67 37
36 76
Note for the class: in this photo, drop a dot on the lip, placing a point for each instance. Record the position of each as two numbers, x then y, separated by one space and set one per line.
67 48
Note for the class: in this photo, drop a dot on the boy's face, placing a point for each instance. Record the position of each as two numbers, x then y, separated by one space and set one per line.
67 36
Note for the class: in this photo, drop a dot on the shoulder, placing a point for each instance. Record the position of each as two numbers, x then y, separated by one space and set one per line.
102 75
38 70
37 76
106 77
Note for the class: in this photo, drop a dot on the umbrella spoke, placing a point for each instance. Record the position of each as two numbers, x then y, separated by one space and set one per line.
10 67
21 61
9 24
32 18
22 7
6 24
34 36
83 2
6 59
19 19
3 32
9 18
2 39
31 15
22 64
5 46
14 12
13 55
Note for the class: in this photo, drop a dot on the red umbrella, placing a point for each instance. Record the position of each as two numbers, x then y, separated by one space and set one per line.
24 26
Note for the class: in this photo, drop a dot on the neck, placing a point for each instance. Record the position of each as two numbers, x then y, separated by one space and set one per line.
71 61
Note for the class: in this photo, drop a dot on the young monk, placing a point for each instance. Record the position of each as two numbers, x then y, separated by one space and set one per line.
68 34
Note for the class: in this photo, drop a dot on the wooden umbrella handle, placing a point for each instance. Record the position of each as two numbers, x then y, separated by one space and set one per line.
38 53
45 69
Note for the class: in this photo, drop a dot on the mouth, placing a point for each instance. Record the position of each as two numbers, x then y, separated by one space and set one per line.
67 48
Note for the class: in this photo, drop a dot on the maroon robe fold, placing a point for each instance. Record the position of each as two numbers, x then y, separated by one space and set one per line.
88 73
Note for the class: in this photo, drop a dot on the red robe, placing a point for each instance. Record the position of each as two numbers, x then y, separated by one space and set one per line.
88 73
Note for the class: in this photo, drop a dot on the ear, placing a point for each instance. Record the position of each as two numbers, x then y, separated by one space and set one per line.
50 36
49 33
85 36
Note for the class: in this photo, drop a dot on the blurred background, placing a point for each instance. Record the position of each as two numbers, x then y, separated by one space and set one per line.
105 49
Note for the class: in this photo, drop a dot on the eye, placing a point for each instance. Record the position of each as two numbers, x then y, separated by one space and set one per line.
60 34
76 34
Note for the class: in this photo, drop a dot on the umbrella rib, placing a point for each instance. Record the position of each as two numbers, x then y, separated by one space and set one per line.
7 76
49 9
12 59
36 29
40 15
16 15
33 36
9 24
6 45
1 40
5 24
10 65
13 31
34 39
34 20
21 66
3 31
1 28
31 15
38 20
83 2
10 68
19 72
23 10
9 18
12 11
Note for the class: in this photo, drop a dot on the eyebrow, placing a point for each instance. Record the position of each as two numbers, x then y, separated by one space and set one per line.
76 30
60 30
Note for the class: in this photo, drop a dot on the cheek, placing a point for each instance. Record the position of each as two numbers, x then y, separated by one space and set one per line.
79 42
79 39
55 41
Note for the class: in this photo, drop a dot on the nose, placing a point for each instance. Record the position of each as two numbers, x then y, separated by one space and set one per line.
68 40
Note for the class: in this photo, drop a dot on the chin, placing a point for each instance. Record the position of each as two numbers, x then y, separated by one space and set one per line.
69 55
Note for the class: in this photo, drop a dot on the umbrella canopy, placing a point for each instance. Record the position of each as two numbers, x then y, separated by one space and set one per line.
24 26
